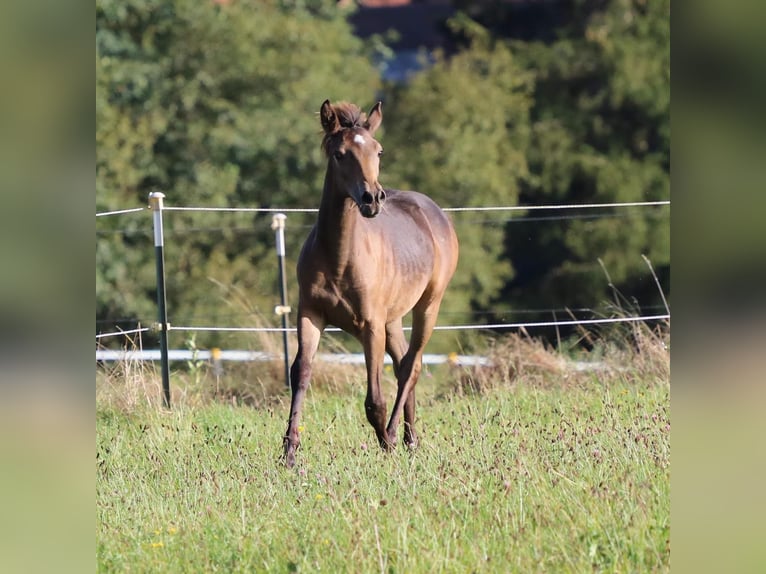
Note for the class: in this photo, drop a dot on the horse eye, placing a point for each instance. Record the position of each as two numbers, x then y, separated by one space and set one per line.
338 155
380 153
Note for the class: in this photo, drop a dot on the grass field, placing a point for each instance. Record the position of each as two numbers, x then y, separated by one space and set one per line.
526 467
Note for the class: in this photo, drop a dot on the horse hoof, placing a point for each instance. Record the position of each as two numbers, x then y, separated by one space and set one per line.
289 457
388 444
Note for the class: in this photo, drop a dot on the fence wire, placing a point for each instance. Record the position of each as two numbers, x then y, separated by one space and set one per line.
479 326
455 209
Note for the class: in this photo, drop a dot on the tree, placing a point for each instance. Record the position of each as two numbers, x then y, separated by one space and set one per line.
600 133
459 133
212 104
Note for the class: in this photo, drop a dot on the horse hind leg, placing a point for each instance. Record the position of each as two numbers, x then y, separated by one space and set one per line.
405 399
410 436
396 344
396 347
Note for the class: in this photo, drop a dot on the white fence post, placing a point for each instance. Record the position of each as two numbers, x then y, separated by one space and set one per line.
278 225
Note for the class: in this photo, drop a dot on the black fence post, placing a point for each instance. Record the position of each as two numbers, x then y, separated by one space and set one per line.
156 205
278 225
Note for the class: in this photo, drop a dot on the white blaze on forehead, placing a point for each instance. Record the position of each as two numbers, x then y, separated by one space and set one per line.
359 139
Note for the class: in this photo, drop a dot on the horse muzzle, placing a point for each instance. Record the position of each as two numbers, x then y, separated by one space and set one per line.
371 203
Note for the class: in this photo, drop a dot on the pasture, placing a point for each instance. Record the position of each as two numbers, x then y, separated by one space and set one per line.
529 467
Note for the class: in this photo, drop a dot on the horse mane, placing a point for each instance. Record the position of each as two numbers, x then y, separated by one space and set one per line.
349 116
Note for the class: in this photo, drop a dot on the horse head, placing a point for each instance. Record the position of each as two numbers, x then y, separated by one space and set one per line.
354 154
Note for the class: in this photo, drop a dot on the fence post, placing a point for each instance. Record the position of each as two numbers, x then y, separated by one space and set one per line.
278 225
156 205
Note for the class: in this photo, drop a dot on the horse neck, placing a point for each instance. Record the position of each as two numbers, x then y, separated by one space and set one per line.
336 224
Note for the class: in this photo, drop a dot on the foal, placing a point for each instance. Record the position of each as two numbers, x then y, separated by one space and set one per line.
373 255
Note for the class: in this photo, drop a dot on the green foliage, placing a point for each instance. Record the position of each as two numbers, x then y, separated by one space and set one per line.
600 133
214 104
459 132
210 104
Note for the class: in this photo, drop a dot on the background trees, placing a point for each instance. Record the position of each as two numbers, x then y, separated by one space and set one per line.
600 134
459 132
214 104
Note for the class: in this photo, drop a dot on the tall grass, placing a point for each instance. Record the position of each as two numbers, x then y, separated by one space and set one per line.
532 464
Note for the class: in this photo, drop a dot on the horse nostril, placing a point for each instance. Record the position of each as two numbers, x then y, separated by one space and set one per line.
367 198
382 196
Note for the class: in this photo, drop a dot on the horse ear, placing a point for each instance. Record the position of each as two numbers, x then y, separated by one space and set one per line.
374 118
329 118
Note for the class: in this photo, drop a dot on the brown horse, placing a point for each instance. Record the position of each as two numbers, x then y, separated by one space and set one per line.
373 255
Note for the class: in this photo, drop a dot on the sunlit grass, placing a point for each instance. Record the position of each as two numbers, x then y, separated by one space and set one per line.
521 476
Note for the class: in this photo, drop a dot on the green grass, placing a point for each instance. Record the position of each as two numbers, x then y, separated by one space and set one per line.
529 475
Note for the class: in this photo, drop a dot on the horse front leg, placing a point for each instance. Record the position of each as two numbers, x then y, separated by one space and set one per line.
374 342
396 347
309 331
410 436
423 322
405 398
